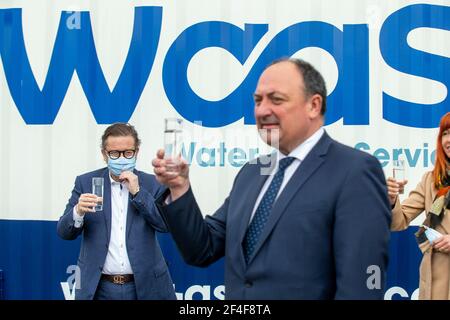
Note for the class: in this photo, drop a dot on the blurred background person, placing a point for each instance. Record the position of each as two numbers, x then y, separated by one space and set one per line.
430 195
120 258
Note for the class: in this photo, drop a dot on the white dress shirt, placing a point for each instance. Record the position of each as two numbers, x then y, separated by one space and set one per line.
117 261
299 153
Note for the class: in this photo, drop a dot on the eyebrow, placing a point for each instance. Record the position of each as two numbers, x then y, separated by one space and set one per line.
120 150
271 94
278 93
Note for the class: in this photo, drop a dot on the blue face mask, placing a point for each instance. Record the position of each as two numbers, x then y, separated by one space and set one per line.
120 165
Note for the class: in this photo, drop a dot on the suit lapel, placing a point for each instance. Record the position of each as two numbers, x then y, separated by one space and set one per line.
130 215
107 204
310 164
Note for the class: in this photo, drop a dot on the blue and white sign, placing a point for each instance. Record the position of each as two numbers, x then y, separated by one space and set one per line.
70 68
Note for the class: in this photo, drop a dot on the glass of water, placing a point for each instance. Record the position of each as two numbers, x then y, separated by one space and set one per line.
398 171
97 189
173 139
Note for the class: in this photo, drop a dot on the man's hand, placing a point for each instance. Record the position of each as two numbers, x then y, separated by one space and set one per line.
174 175
131 181
394 188
86 203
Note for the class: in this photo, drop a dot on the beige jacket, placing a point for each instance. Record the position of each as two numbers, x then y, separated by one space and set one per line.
435 266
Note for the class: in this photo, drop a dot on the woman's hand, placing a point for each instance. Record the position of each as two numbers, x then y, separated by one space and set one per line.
442 244
394 188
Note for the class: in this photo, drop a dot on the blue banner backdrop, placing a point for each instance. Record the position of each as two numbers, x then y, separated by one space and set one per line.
35 260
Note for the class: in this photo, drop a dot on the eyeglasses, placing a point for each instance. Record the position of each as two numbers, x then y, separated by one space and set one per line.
115 154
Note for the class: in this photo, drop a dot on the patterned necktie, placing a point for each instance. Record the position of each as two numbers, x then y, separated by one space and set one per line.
262 213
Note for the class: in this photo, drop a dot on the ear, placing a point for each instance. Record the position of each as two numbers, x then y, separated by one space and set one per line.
315 106
105 157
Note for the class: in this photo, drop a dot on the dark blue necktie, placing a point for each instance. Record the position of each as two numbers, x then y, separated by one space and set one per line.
264 208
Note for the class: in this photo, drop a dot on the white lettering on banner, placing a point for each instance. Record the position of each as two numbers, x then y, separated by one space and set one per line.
204 292
200 292
401 292
69 294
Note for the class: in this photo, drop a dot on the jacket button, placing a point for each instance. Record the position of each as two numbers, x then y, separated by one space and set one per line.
248 284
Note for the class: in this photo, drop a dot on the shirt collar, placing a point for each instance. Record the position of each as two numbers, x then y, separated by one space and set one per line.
114 182
302 150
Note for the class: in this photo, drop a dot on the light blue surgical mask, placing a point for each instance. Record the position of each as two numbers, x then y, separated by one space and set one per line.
117 166
431 234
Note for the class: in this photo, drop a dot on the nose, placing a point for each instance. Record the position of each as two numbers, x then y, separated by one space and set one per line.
263 109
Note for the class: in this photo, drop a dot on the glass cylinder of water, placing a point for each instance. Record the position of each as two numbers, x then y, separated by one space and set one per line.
173 139
398 171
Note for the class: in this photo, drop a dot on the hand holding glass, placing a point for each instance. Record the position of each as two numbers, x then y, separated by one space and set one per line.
398 171
173 133
97 189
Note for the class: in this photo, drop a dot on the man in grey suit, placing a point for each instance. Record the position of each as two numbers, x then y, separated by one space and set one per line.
120 258
316 228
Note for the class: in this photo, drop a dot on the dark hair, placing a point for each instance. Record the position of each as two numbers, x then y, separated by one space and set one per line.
120 129
313 80
440 166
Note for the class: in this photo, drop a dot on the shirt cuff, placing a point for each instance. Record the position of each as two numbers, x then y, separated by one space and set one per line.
77 218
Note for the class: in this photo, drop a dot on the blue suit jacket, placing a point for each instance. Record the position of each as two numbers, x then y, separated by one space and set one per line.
151 274
326 238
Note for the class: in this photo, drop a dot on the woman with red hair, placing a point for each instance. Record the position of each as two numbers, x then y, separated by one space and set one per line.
430 196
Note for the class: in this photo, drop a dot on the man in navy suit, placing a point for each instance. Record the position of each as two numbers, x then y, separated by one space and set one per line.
120 258
316 228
